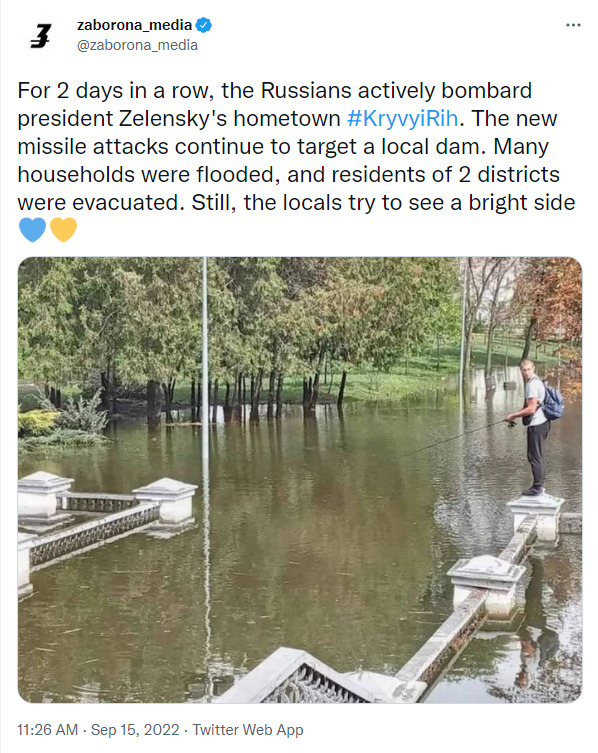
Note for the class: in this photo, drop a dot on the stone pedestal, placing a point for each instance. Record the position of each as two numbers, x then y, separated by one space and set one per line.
499 577
545 508
503 626
25 543
175 498
38 494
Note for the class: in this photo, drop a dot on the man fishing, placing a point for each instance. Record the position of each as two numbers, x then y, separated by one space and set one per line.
537 424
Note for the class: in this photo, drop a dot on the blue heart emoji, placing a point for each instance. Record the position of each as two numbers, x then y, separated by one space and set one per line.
32 229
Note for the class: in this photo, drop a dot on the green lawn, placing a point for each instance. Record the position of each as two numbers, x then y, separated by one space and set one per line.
422 373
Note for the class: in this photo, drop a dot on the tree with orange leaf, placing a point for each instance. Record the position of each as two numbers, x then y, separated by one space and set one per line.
549 291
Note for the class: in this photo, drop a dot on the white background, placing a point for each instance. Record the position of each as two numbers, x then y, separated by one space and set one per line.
328 43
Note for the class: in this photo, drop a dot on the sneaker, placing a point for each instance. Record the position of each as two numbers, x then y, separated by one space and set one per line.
531 492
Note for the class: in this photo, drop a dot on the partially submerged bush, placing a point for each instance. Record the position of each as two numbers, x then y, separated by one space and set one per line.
37 423
83 415
62 438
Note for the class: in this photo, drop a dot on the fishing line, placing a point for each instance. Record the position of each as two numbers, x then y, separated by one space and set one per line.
463 434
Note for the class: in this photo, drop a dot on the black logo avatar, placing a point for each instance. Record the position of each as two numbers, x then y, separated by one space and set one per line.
42 38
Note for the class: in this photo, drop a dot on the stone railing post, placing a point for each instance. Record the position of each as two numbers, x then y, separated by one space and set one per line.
38 493
498 576
25 542
545 508
175 498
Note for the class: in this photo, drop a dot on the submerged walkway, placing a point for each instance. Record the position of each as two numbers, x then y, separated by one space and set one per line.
56 523
484 589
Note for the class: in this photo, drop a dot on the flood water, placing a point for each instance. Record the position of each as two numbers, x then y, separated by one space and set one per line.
322 536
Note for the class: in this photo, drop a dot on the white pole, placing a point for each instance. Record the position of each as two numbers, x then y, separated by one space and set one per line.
205 466
205 408
461 363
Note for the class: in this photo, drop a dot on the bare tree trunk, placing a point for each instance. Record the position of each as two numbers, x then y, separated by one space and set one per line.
341 390
271 390
528 338
193 398
316 383
166 389
468 343
215 402
255 402
227 406
114 392
233 399
238 408
279 395
153 403
489 350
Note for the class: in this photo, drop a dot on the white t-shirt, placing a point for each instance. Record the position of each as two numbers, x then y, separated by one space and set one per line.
535 388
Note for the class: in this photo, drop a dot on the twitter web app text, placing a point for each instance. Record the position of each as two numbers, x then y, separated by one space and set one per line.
318 130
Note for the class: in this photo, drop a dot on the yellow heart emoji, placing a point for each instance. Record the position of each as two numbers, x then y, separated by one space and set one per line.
63 229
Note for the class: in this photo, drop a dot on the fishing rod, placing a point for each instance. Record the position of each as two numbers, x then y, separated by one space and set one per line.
463 434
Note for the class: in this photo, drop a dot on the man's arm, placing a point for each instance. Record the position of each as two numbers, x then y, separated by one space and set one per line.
531 406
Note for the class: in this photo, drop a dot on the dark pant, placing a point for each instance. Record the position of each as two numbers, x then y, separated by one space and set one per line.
536 436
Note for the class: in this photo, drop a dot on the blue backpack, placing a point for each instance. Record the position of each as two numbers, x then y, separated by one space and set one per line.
554 403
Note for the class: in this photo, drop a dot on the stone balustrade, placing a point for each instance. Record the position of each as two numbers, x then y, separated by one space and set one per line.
52 527
485 587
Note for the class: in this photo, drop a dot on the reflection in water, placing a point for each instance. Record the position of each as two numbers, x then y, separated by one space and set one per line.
542 661
538 641
315 534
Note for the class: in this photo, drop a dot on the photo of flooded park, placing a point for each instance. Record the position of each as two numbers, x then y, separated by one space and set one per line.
300 479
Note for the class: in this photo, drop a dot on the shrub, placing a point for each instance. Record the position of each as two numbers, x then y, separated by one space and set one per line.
61 438
83 415
36 423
